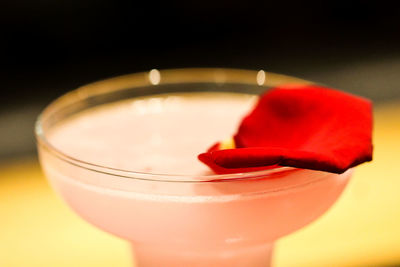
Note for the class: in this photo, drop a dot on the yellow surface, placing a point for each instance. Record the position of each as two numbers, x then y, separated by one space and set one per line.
363 228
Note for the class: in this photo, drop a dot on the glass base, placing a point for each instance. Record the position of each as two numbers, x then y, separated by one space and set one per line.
153 256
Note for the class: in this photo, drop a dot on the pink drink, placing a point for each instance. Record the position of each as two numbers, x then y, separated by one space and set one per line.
170 219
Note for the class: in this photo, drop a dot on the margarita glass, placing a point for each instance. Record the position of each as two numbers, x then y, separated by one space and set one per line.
113 151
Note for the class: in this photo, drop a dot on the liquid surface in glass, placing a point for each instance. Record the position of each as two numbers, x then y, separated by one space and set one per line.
158 134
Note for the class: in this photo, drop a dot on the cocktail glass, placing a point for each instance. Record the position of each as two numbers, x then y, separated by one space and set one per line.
185 220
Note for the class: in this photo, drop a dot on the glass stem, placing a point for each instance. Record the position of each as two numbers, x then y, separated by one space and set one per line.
153 256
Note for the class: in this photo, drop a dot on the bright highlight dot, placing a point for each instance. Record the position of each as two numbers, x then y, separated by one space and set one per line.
154 76
260 77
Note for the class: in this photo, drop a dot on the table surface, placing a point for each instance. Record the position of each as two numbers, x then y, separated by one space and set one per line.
362 228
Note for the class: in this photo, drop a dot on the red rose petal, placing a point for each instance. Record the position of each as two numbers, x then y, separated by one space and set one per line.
209 159
309 127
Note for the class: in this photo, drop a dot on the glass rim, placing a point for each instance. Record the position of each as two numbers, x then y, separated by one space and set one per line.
184 75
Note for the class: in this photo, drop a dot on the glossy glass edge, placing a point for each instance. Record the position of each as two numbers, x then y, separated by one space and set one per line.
215 75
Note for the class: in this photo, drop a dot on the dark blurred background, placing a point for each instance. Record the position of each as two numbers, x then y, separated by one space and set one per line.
49 47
